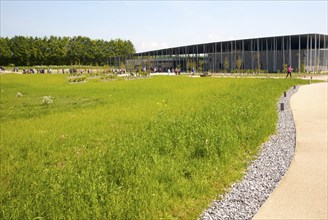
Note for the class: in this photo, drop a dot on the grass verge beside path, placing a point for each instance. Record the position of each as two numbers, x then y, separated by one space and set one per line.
162 147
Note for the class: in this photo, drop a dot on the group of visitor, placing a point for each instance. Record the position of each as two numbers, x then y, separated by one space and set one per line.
177 71
31 70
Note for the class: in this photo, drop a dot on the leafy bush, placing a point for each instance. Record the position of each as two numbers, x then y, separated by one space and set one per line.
284 68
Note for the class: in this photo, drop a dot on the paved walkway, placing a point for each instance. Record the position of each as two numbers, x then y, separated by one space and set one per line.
302 193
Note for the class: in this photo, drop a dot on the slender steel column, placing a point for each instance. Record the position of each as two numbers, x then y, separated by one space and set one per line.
215 57
318 57
235 57
258 53
307 53
197 61
315 54
221 64
243 54
170 58
267 54
187 58
252 57
204 59
230 53
193 57
325 52
299 53
311 63
283 51
290 51
156 58
275 54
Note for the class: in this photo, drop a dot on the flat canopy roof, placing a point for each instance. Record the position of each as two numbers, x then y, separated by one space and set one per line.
302 41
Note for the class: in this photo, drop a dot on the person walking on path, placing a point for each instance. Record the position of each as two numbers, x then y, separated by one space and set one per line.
289 71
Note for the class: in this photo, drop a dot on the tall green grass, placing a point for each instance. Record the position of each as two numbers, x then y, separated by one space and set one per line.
157 148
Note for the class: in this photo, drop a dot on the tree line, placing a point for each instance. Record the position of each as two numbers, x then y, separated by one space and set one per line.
53 50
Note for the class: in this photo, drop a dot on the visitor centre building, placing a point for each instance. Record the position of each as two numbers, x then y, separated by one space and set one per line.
304 52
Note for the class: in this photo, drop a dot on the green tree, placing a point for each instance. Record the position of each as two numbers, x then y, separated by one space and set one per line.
76 51
5 52
99 51
36 50
20 49
55 50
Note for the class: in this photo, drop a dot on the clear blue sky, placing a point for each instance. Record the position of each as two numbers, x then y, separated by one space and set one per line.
160 24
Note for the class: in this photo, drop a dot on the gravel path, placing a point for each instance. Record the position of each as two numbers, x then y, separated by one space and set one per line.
246 197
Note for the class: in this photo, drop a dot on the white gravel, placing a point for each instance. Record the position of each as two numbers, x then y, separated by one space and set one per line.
246 197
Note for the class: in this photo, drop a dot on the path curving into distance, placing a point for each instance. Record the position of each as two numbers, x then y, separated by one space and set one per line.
302 193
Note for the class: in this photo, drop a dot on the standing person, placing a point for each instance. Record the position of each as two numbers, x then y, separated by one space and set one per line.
289 71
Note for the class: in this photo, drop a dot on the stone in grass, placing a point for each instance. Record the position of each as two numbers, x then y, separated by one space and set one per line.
19 94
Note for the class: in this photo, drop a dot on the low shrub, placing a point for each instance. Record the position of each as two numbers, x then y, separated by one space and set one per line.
77 79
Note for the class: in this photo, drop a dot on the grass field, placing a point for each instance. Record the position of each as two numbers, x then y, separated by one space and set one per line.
156 148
